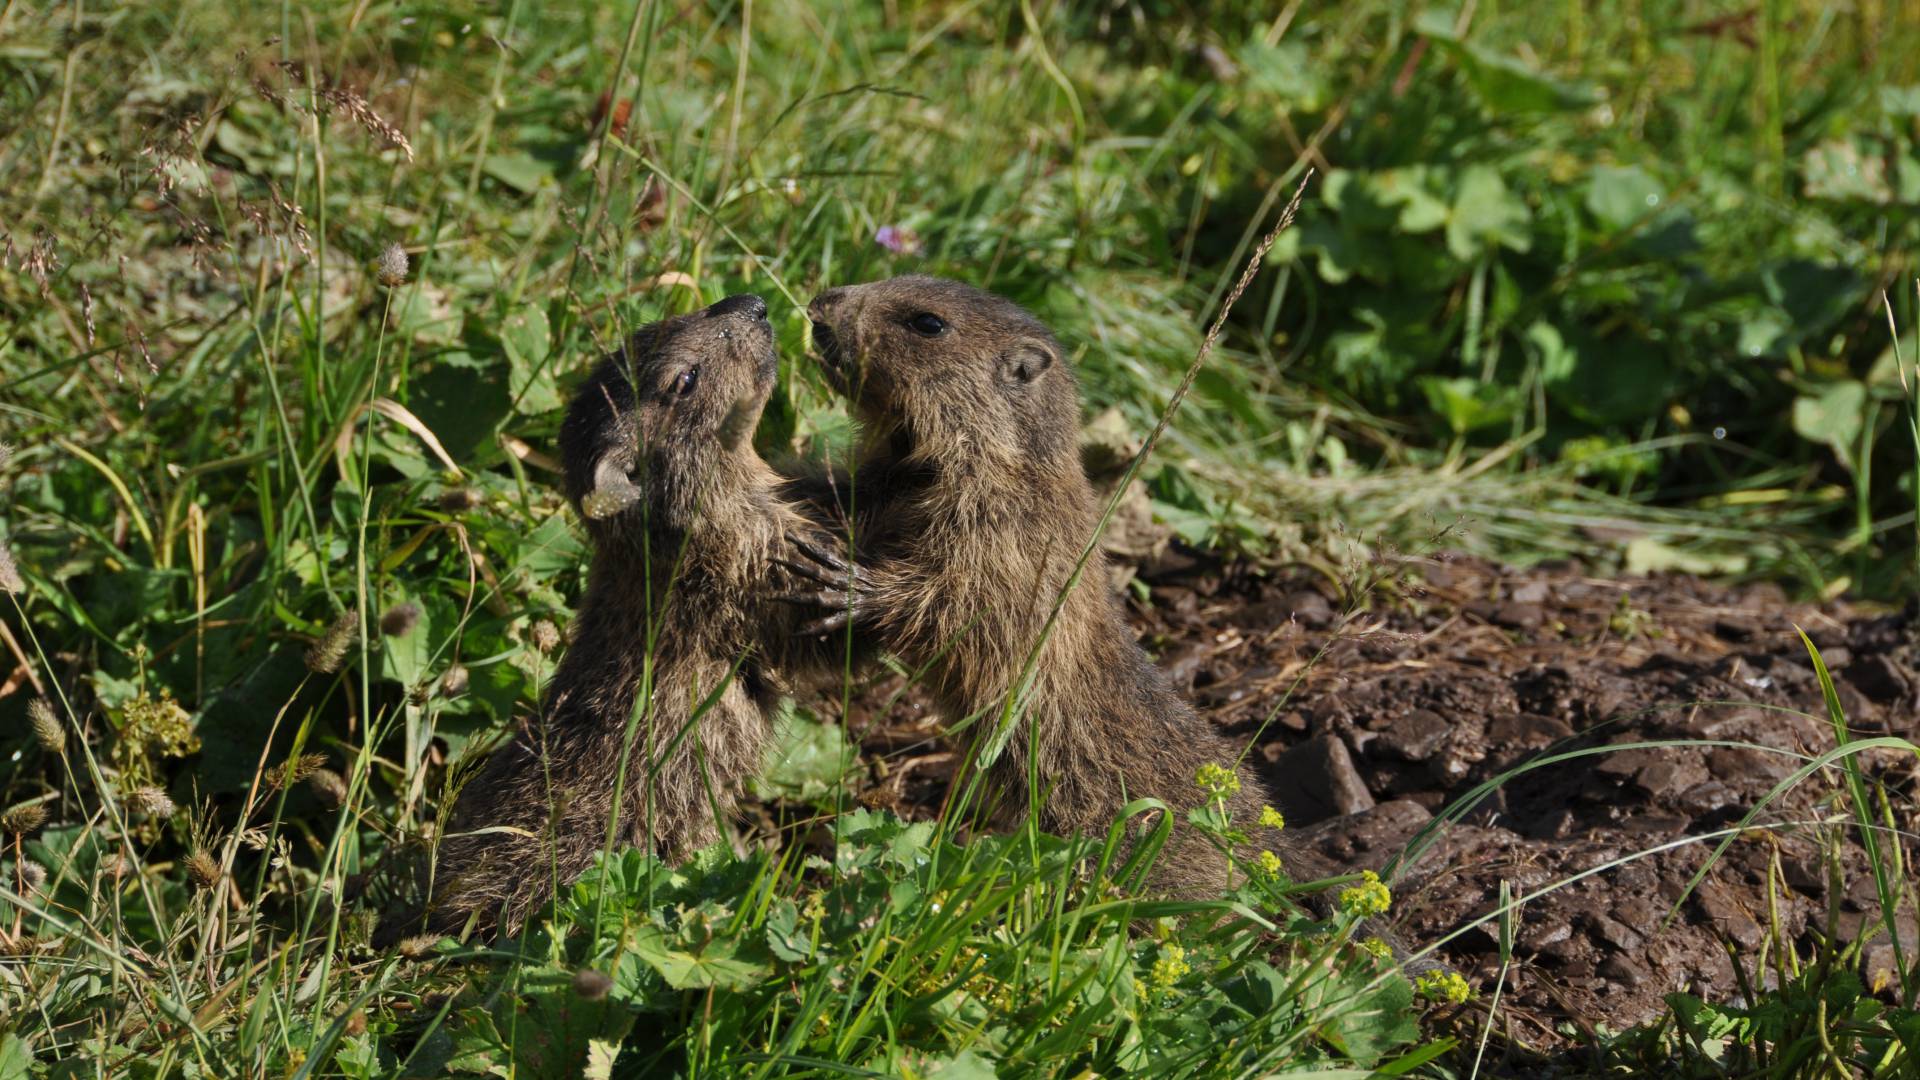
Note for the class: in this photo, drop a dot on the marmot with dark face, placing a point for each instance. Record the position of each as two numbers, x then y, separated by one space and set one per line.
678 645
983 509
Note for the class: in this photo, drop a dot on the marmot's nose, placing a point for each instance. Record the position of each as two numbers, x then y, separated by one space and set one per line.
824 303
744 304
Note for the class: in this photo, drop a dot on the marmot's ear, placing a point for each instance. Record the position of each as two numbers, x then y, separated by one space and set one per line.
1026 360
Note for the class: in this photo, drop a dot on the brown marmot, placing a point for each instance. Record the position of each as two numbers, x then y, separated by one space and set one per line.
688 527
971 417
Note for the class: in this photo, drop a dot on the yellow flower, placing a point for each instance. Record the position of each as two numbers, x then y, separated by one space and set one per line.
1370 897
1268 865
1217 781
1375 947
1271 819
1169 968
1447 986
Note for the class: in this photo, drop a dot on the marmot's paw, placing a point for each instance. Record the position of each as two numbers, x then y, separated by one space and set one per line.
843 592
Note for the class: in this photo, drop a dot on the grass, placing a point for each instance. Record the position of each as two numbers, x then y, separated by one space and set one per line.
230 435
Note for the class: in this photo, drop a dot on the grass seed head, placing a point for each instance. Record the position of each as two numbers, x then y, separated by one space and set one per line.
150 802
299 769
10 580
23 819
202 868
31 876
391 267
400 619
325 656
329 787
48 731
418 947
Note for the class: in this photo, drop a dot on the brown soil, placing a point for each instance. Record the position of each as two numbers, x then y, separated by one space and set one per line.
1372 721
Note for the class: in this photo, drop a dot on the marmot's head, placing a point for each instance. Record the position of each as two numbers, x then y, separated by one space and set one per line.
667 420
952 371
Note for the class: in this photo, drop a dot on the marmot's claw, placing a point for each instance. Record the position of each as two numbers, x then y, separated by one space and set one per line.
829 559
842 592
843 581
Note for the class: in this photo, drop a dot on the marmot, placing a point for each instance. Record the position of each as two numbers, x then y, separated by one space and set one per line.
688 527
971 417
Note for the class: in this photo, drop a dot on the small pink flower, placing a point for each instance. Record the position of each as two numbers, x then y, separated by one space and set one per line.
899 239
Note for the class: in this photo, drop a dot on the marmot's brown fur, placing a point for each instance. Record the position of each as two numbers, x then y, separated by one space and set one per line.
688 527
972 418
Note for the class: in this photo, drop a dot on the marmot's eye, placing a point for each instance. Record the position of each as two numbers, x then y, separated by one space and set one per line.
926 324
687 381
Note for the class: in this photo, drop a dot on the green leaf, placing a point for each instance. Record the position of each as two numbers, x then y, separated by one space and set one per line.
1469 405
1611 381
1506 84
1835 416
522 172
965 1065
1486 215
807 760
527 339
15 1058
463 401
1556 359
714 965
1618 196
405 659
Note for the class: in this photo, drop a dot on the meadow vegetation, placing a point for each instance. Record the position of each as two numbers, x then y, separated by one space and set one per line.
285 547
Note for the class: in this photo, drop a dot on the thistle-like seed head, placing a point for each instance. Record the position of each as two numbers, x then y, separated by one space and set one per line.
546 636
591 985
391 268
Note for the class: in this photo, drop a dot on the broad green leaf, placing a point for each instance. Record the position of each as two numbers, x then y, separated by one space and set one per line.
528 339
806 761
1611 381
1619 196
15 1058
1469 405
405 659
1486 215
522 172
1287 72
715 965
1506 84
1835 416
1556 359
